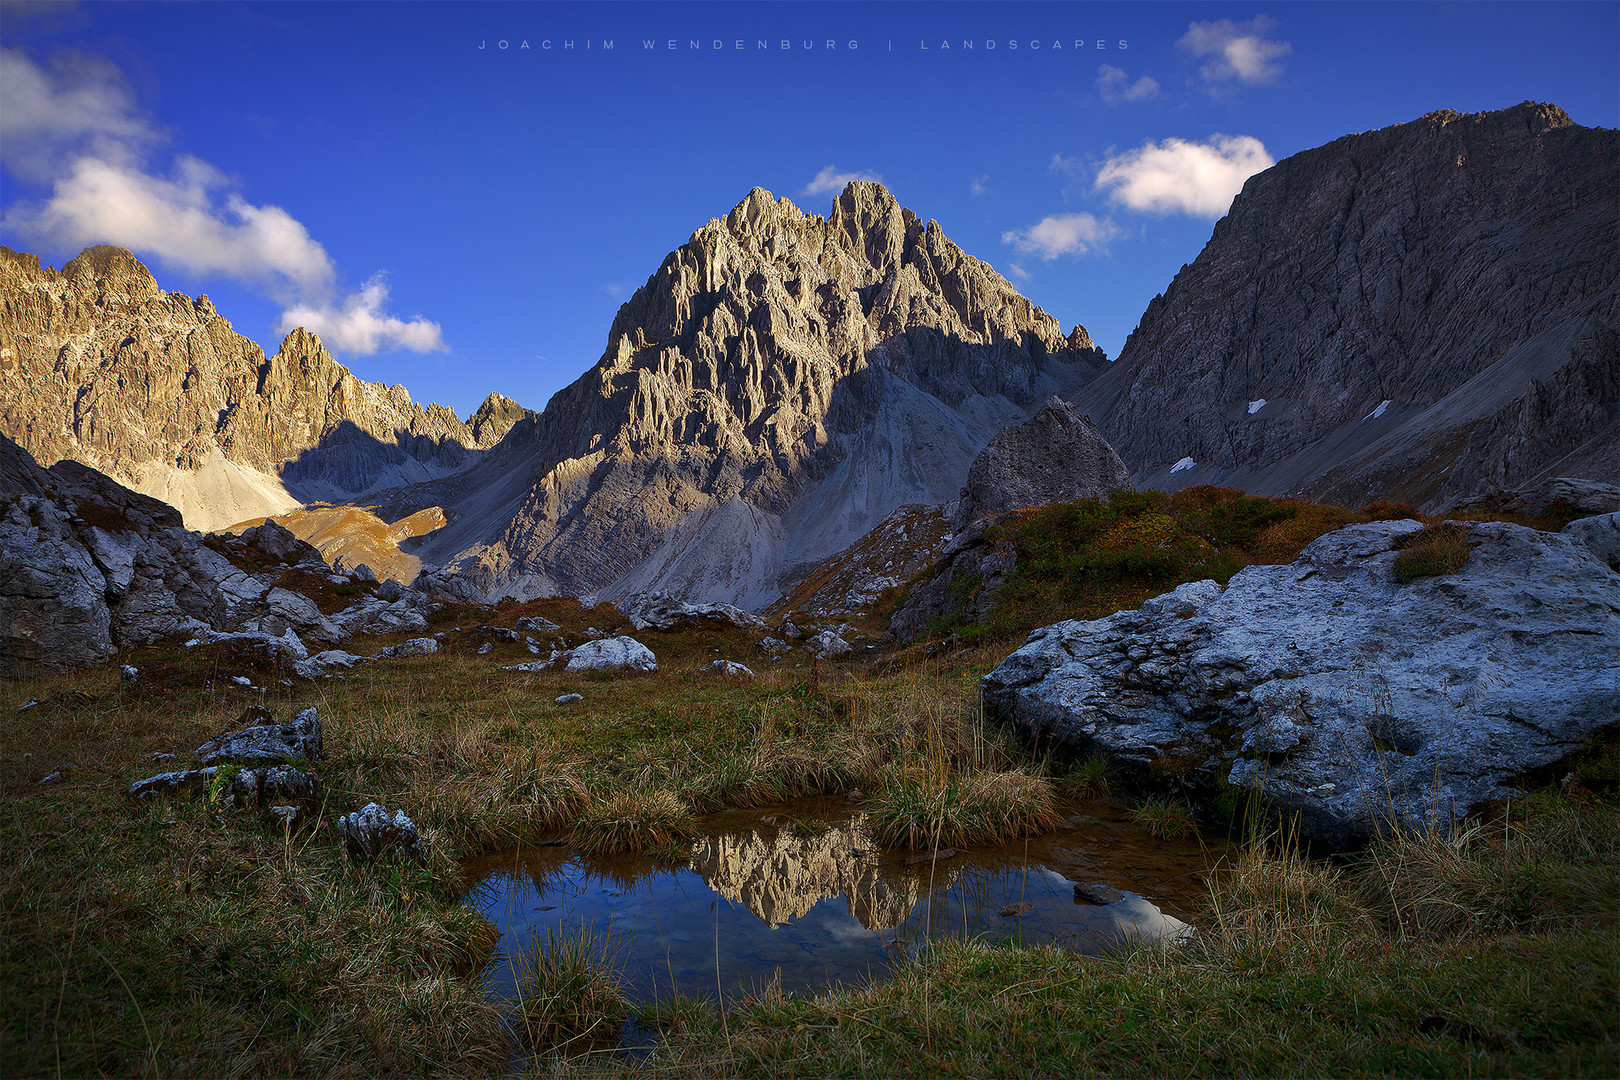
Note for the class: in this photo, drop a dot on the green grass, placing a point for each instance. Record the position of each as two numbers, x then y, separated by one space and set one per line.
567 990
182 938
1166 817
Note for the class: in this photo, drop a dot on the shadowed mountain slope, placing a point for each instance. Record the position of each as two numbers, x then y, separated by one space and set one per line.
1424 312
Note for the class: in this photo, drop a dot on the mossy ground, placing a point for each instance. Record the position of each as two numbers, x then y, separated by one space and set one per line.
175 938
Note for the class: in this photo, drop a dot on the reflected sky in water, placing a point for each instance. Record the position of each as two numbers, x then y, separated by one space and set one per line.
819 903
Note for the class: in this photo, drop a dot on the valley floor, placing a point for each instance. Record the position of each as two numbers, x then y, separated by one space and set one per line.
177 938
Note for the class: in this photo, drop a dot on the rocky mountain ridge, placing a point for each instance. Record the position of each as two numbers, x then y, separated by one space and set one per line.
100 365
1421 313
774 390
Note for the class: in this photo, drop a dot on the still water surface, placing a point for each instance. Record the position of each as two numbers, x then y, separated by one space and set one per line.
801 893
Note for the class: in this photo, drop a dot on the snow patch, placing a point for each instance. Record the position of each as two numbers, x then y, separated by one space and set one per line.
1256 405
1376 413
1183 465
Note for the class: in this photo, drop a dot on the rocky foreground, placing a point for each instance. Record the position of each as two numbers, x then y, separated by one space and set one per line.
1339 693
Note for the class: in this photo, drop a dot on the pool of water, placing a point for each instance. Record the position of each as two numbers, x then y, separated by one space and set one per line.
800 893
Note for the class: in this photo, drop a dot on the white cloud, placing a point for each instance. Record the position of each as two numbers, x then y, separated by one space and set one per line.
1063 234
1236 51
978 185
359 325
1115 86
1019 272
615 289
831 182
1181 177
186 220
74 125
82 105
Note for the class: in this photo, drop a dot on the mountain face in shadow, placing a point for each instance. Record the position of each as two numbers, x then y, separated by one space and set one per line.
101 366
1420 313
774 390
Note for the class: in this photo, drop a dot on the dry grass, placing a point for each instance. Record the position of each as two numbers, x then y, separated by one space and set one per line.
1165 817
633 821
1431 550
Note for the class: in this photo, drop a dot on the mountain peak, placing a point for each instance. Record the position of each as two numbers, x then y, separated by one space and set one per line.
112 270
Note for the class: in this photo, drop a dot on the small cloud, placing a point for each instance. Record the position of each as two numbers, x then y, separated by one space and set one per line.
1115 86
830 182
73 106
614 289
978 185
1063 234
1181 177
1019 272
1236 52
359 325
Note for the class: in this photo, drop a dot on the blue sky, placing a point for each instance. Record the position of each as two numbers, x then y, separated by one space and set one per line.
463 219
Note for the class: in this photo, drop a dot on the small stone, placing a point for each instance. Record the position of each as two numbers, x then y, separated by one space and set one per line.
1012 911
241 680
485 649
569 699
937 855
1097 894
731 668
58 774
854 794
128 672
29 704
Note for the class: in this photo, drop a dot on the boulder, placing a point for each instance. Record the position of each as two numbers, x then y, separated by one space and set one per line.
611 654
966 582
267 744
372 832
418 646
1334 691
1601 535
533 624
1057 455
828 645
661 611
731 668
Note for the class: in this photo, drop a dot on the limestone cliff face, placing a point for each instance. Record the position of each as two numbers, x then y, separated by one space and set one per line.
1422 312
100 365
780 385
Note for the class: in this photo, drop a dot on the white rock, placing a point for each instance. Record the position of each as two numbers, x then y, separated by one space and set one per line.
612 654
1335 691
828 644
729 667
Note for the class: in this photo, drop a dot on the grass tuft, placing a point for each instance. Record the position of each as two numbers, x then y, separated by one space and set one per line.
1169 818
979 807
1430 551
633 821
569 991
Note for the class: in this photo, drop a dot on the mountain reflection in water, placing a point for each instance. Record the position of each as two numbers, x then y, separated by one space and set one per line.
819 902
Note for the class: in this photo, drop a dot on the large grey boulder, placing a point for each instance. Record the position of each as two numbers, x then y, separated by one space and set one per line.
661 611
612 654
1057 455
1336 692
1601 535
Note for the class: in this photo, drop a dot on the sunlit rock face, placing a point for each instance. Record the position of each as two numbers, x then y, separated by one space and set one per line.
782 876
100 365
780 385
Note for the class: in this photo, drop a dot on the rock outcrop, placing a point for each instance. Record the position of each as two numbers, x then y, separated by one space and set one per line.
100 365
88 567
780 385
660 611
1421 313
1336 692
851 582
965 581
1057 455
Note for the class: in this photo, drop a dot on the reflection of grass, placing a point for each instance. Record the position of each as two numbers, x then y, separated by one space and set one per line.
568 989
